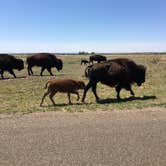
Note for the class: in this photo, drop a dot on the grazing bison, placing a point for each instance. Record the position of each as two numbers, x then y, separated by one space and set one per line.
97 58
8 63
45 61
84 61
65 86
118 73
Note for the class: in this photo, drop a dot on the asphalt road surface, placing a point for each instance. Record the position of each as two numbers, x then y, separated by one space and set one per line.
96 138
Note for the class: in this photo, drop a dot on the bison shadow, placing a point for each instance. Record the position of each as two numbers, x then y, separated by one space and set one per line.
106 101
12 78
47 75
65 104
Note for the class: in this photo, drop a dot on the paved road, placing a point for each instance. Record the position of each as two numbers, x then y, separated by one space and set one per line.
114 138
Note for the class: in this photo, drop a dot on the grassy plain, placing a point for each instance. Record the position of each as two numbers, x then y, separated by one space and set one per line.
24 93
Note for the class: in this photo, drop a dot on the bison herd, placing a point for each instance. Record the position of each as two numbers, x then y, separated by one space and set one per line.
118 73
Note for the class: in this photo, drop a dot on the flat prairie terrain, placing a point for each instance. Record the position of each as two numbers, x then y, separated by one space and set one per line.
24 93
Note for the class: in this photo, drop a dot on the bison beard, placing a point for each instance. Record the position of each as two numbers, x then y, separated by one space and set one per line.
119 73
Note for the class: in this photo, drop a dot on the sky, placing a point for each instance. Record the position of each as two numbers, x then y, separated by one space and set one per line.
82 25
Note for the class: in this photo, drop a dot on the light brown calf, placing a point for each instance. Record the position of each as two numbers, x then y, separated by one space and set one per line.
64 86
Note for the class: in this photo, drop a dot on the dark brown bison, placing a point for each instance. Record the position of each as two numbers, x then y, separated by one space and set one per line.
9 63
45 61
64 86
118 73
84 61
97 58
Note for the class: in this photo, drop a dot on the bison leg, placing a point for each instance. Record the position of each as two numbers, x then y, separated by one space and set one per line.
118 89
30 70
51 97
44 97
2 74
131 92
42 69
78 96
12 73
85 91
89 85
94 91
68 94
49 70
129 89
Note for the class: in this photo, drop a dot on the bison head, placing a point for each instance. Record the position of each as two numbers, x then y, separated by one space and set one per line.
19 64
59 64
140 75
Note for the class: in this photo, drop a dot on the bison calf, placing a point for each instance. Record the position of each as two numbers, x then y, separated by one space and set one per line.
63 85
84 61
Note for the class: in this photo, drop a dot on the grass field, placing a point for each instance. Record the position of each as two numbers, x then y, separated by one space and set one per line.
24 93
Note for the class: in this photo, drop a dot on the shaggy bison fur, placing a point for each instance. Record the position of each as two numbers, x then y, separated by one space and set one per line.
45 61
64 86
119 73
9 63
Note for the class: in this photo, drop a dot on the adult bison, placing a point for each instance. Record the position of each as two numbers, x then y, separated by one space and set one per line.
9 63
119 73
45 61
97 58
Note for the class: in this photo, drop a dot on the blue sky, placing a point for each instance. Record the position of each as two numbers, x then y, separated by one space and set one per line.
82 25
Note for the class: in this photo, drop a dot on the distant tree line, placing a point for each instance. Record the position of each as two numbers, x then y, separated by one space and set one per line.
85 53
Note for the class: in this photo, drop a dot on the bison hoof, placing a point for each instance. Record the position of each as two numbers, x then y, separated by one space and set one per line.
118 98
98 100
83 101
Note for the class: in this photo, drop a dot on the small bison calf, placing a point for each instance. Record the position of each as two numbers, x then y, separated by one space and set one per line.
63 85
84 61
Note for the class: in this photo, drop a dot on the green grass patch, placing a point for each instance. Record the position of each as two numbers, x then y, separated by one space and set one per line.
24 94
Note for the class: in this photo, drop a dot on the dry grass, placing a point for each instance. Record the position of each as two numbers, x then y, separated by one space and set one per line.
24 94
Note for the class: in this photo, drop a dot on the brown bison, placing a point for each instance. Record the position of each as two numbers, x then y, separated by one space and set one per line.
45 61
119 73
97 58
84 61
63 85
8 63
